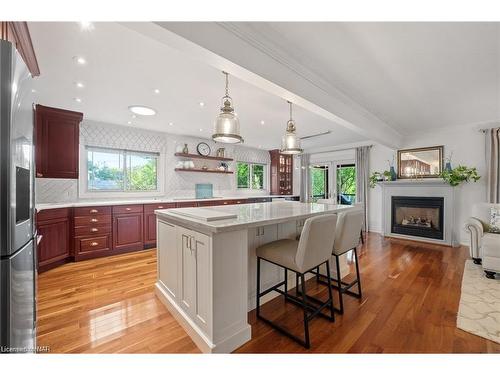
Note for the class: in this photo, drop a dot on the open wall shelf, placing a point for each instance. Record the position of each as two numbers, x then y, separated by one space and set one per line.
201 170
196 156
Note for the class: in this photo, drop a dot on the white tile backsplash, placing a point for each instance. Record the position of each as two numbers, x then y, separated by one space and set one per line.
177 184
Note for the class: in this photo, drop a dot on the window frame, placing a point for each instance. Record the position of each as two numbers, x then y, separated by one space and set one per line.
85 192
251 166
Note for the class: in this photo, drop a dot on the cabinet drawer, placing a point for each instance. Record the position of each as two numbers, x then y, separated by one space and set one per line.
54 213
186 204
92 211
81 221
92 230
148 208
128 209
98 243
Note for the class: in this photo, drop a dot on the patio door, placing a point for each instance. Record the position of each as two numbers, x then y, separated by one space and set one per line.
345 181
321 181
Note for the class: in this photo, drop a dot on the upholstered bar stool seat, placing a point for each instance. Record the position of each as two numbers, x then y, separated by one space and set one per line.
301 256
281 252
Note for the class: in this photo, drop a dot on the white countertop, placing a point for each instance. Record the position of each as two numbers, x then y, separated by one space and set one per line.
252 215
111 202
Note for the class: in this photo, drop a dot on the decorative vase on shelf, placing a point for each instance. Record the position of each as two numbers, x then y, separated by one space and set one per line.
394 176
185 150
179 148
447 167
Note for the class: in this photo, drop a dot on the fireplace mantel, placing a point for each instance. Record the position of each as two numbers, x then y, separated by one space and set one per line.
420 188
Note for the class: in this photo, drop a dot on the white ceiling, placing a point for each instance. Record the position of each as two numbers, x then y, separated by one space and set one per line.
387 80
414 76
124 67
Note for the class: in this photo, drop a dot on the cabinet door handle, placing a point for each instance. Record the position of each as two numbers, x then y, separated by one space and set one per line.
225 202
238 202
160 206
38 174
94 211
94 230
128 209
94 243
94 220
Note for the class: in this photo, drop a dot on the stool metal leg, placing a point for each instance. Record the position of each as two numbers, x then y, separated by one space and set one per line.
257 309
306 318
339 283
330 294
357 272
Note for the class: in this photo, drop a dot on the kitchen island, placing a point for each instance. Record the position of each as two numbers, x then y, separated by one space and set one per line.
207 266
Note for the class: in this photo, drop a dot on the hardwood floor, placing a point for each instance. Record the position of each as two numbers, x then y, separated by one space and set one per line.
411 295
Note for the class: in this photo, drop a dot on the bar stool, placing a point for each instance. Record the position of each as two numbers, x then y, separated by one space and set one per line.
359 205
312 250
346 238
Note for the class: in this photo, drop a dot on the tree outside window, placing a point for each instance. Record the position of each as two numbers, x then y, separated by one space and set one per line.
250 176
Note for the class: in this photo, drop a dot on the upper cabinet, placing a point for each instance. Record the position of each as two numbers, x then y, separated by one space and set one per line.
281 173
57 142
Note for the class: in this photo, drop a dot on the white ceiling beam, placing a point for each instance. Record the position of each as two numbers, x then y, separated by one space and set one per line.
243 53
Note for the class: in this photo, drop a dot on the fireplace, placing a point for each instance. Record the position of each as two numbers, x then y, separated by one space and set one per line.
418 216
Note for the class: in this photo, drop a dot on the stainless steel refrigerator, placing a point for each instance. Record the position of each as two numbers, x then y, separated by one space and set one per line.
17 196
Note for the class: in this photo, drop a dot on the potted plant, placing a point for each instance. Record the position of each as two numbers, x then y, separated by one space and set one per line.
455 176
379 176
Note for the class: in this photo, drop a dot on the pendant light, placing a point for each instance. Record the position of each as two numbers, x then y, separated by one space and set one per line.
290 143
227 124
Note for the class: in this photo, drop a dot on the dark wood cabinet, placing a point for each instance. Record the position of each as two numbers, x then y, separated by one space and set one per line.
92 232
54 227
150 222
128 228
281 174
57 142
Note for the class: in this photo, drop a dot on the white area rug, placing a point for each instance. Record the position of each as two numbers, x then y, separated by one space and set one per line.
479 310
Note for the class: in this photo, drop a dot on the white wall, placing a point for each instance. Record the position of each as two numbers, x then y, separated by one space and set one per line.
467 145
379 156
176 184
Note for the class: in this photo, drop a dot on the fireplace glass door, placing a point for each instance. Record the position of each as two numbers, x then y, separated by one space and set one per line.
418 216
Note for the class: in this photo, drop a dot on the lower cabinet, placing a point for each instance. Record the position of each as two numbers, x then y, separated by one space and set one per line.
54 247
127 232
184 265
150 222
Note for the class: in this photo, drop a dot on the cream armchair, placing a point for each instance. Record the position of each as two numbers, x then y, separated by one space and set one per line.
484 246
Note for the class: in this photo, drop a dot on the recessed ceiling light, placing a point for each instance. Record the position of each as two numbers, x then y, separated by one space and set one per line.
78 100
142 110
86 26
129 122
202 104
134 116
157 91
80 85
171 123
201 130
262 122
33 90
79 60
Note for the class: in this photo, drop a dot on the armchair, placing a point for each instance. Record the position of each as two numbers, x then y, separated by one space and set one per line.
484 246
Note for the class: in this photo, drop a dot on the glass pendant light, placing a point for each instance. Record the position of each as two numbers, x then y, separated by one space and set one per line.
290 143
227 124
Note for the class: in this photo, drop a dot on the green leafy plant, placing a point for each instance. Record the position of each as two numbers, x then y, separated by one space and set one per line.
460 174
379 176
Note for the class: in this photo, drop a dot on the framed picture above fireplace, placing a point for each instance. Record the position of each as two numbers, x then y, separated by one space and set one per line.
424 162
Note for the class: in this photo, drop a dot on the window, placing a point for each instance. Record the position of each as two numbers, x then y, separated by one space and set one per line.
250 176
346 183
319 182
121 170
